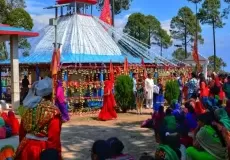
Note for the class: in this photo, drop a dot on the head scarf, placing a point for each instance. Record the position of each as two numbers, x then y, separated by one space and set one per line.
115 145
222 116
210 142
49 154
169 152
38 90
2 122
101 149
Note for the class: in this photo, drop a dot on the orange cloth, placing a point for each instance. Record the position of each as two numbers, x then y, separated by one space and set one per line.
108 112
199 109
204 90
6 152
13 123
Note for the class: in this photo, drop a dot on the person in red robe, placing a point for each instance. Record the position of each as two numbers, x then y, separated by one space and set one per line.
13 123
108 112
40 127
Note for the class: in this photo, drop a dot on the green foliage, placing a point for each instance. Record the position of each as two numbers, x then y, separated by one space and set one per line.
171 91
163 39
141 27
3 52
183 27
124 92
3 7
118 4
179 54
219 64
210 13
20 18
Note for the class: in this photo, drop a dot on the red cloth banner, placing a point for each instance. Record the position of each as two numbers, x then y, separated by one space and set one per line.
111 72
143 65
126 66
55 63
195 54
106 13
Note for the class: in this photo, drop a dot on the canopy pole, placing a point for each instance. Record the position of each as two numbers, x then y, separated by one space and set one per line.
15 92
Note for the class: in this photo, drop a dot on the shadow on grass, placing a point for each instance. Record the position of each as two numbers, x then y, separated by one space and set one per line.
77 140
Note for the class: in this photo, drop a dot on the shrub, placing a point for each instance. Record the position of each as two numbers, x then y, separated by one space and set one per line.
172 91
124 92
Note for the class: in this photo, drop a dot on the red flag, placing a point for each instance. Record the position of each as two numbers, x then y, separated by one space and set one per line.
195 54
55 63
126 66
106 13
143 65
111 72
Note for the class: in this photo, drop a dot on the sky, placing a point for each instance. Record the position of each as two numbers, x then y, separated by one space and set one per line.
163 10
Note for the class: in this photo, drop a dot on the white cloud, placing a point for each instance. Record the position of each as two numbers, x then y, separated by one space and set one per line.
121 22
41 21
166 25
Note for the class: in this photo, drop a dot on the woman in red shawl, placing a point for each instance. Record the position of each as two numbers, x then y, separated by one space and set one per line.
5 117
13 123
40 127
108 112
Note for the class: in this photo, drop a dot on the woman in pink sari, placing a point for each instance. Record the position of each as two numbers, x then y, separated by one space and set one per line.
108 112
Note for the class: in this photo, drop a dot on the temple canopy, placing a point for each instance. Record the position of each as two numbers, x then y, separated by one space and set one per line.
87 39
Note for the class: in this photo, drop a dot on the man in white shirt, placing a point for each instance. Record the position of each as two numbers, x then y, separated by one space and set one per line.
149 84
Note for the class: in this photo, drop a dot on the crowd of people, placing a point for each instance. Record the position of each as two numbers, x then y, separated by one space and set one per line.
195 126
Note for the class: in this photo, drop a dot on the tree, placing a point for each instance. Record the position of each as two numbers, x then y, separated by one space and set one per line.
147 29
210 14
16 3
18 17
219 63
118 5
179 54
183 28
162 39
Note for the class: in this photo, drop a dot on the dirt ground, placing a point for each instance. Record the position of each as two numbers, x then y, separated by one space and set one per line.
79 134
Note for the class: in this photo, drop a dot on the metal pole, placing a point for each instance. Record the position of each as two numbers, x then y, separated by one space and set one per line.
55 27
113 11
149 38
91 10
214 43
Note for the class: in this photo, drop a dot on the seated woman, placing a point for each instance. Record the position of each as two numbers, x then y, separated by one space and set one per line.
222 117
100 150
2 129
158 118
209 143
190 117
169 121
116 148
13 123
41 122
169 148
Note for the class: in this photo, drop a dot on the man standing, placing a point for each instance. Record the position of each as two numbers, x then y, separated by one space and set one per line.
25 86
149 84
135 87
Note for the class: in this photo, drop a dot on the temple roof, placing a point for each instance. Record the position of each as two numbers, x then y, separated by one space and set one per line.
83 40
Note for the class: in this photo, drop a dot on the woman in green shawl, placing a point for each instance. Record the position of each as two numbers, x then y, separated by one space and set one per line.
222 116
209 143
169 148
